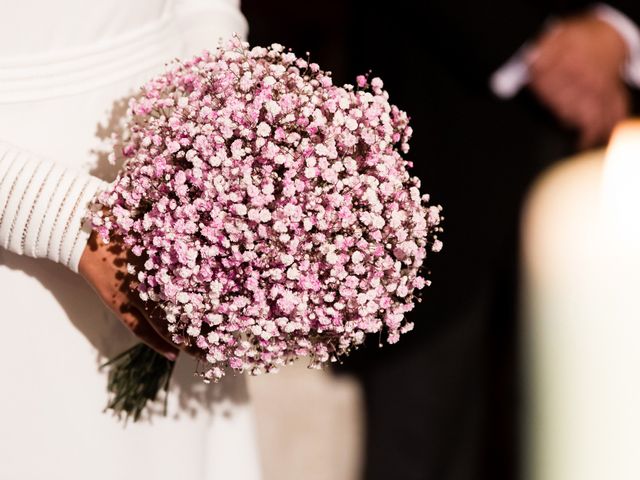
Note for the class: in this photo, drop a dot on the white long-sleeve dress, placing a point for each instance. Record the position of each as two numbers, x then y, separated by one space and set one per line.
66 67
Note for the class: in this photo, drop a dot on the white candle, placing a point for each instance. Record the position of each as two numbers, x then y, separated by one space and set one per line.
582 308
621 183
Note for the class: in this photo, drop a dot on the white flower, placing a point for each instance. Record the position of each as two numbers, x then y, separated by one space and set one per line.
359 269
350 164
377 221
263 129
285 238
331 257
357 256
205 111
280 158
278 70
279 226
293 273
214 318
254 214
402 291
182 297
265 215
272 107
215 287
286 258
256 329
193 331
321 149
185 272
351 123
276 274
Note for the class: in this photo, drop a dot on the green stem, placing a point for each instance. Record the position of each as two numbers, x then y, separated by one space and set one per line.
135 378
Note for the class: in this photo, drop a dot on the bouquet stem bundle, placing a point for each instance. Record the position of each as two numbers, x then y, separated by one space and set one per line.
136 376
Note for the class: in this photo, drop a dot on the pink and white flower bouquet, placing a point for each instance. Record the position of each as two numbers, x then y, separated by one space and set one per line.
273 210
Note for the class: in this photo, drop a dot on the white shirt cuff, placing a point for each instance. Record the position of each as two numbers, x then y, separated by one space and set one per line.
629 31
512 76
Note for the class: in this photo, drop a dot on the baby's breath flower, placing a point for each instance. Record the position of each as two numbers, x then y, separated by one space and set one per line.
274 209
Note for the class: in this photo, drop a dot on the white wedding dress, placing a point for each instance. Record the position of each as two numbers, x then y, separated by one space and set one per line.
66 68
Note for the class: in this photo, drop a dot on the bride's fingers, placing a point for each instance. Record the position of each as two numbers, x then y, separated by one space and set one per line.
141 328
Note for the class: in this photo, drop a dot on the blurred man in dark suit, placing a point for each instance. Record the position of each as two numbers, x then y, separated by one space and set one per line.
497 91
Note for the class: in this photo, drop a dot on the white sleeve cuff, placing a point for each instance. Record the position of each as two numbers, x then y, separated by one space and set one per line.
42 207
629 31
512 76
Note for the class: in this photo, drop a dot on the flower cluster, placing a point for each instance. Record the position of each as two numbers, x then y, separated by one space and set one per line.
273 210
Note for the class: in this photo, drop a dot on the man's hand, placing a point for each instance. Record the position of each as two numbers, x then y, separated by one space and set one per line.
104 266
575 70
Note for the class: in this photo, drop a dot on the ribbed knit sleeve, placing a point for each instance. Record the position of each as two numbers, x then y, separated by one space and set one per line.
42 207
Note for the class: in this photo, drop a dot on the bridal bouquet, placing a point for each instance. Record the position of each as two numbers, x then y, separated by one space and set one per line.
273 211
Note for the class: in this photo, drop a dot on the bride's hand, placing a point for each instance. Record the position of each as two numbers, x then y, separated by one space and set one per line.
104 266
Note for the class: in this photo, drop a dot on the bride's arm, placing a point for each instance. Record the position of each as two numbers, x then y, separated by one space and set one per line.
42 210
42 206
